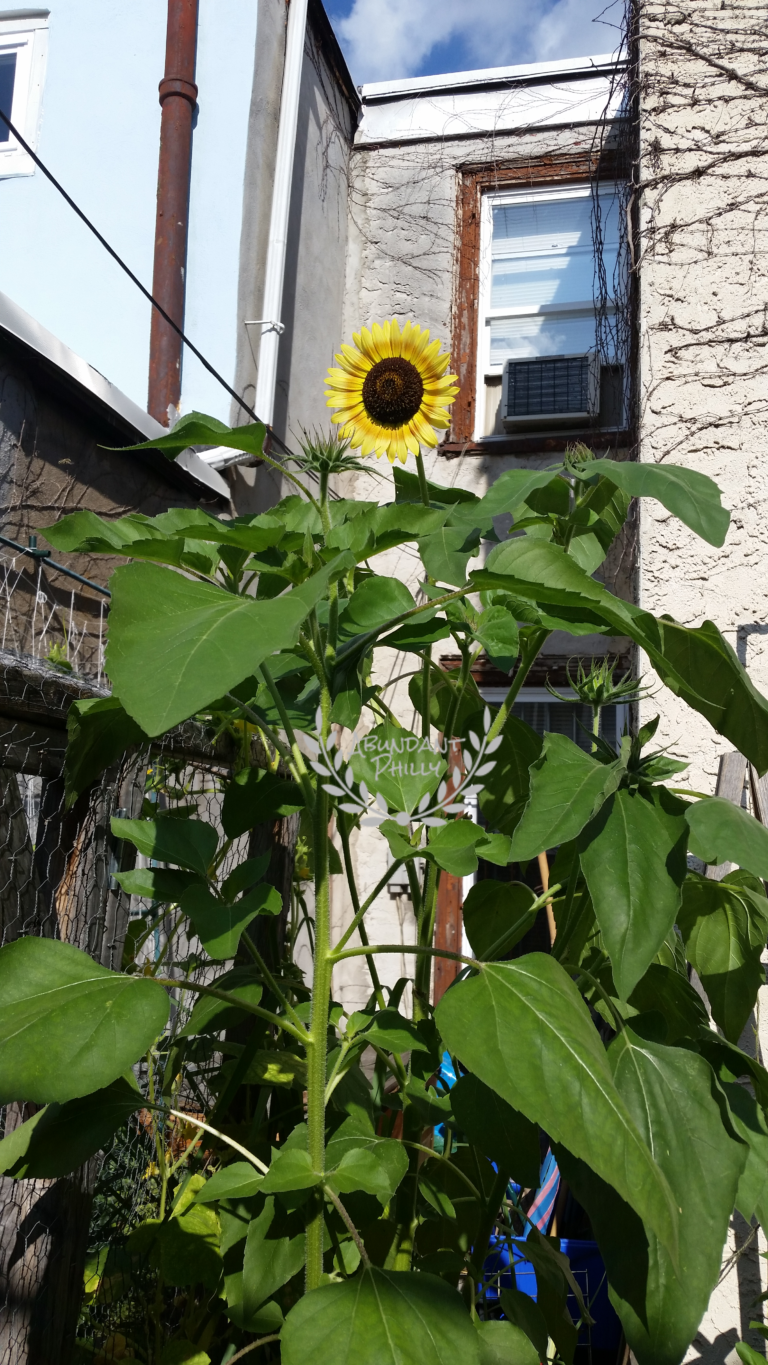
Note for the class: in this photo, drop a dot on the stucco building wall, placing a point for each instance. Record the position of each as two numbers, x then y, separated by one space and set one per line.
402 260
703 396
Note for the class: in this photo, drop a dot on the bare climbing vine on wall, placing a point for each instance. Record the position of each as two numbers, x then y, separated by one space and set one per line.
697 190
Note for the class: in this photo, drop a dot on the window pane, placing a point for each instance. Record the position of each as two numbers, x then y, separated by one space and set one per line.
571 719
537 281
544 334
7 77
543 251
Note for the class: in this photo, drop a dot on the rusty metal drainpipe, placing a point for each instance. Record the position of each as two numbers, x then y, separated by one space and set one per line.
178 97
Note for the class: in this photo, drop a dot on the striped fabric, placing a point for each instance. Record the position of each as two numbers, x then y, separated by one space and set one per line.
541 1210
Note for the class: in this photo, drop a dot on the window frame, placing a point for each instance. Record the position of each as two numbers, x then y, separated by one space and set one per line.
582 307
475 184
25 33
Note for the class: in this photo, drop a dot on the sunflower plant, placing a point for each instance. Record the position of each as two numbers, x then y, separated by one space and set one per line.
336 1184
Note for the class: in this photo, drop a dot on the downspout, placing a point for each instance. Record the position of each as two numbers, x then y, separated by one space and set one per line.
178 97
274 274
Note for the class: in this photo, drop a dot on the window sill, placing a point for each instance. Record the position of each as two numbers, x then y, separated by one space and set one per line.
536 443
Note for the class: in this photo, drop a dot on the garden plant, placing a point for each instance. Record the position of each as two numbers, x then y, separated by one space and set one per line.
334 1198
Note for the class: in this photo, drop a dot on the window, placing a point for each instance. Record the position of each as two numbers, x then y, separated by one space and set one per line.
23 51
7 82
538 365
545 714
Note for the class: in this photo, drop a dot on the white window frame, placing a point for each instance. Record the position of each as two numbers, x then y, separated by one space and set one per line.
25 33
485 369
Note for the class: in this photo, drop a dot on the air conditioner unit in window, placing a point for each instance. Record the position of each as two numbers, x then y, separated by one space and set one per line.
550 390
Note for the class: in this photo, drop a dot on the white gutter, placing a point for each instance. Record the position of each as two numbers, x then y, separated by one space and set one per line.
274 274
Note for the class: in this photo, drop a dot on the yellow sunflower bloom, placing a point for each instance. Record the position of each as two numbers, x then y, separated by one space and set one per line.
391 390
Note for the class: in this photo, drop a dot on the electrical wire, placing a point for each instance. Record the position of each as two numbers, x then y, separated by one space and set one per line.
92 228
273 437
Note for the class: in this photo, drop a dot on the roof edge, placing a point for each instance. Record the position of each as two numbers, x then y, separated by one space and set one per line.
21 326
318 18
532 73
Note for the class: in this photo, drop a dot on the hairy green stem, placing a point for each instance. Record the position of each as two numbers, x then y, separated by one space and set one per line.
349 1225
251 948
366 905
407 949
602 992
333 588
298 764
308 650
528 655
426 930
488 1220
358 919
300 1034
426 695
318 1039
459 690
422 473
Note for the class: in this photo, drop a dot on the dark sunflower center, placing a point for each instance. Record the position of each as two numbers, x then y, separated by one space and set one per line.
392 392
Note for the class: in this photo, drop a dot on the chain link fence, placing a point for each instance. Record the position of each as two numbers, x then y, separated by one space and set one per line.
59 1238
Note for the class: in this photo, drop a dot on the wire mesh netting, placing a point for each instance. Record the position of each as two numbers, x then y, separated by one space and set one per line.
45 616
68 1289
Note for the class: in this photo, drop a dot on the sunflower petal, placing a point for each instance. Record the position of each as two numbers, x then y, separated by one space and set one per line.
345 389
421 428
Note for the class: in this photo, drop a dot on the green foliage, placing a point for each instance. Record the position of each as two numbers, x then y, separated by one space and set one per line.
254 797
203 640
496 916
314 1206
725 926
633 859
500 1132
398 765
502 1343
98 733
60 1137
557 1074
567 787
219 925
190 844
382 1317
721 832
673 1099
53 999
506 789
686 493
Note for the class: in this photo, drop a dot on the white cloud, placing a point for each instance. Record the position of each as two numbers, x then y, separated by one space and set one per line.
390 39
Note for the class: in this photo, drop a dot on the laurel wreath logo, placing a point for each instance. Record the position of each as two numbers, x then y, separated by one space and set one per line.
337 778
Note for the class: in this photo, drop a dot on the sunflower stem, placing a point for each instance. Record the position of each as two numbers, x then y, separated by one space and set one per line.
423 488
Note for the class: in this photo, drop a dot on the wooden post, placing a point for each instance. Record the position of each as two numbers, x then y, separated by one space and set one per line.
450 898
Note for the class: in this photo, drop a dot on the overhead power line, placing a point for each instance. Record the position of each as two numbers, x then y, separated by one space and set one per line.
126 268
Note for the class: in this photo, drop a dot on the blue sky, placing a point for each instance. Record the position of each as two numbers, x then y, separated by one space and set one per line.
387 39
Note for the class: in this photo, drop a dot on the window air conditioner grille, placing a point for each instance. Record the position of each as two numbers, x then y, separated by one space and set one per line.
553 387
543 386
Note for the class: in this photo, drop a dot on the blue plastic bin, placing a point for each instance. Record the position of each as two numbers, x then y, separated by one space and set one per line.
588 1271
